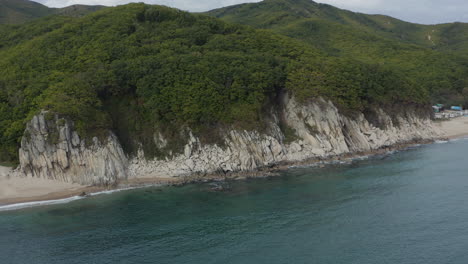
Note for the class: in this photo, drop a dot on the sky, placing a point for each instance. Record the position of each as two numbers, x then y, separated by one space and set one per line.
417 11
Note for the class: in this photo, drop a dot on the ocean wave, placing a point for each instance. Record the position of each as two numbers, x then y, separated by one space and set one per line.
365 157
114 191
458 139
441 141
17 206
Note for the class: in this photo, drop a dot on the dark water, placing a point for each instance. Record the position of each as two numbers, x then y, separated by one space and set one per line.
410 207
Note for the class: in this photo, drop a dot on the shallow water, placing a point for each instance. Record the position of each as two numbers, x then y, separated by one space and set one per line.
409 207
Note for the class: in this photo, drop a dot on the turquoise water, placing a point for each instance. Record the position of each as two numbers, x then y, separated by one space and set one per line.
409 207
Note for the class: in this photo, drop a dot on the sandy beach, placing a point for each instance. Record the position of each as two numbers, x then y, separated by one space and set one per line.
454 128
19 190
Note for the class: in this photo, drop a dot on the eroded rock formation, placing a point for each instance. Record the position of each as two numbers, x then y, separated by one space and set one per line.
52 149
321 132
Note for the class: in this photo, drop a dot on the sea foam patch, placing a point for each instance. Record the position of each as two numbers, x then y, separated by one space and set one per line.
18 206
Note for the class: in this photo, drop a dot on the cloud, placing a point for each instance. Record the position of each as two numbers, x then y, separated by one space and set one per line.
419 11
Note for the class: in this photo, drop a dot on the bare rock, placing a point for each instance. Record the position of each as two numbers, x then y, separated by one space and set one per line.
52 150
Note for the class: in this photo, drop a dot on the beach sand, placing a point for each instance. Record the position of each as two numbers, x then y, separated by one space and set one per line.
454 128
19 190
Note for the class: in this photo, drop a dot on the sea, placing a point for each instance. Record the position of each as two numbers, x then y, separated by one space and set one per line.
408 207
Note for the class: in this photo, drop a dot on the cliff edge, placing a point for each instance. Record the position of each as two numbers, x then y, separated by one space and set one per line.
52 149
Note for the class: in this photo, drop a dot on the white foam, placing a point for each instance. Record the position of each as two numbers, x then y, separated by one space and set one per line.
362 158
18 206
114 191
458 139
441 141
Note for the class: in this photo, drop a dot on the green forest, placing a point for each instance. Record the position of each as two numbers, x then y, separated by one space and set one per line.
137 69
21 11
434 56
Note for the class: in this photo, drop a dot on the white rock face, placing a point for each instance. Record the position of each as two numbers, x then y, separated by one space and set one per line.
320 129
50 149
322 132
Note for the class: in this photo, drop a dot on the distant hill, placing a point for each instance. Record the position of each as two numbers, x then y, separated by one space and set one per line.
437 55
290 16
77 10
20 11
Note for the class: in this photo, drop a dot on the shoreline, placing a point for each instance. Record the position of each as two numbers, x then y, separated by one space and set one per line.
136 183
454 128
274 170
51 196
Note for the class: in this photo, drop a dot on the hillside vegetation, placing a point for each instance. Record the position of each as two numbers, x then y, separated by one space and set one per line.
20 11
140 70
273 14
436 56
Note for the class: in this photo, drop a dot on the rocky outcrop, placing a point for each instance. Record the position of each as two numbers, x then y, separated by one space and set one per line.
320 129
52 149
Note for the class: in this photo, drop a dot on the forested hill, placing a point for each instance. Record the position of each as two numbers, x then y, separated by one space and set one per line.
283 14
139 70
435 55
20 11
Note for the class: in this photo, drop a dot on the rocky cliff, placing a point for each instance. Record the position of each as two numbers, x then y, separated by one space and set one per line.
318 130
52 149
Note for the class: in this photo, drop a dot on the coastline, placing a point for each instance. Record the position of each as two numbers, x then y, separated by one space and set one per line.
273 171
452 129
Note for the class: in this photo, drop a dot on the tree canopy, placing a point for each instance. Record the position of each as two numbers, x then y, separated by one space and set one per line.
137 69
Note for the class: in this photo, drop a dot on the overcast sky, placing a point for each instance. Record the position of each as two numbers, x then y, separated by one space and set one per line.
419 11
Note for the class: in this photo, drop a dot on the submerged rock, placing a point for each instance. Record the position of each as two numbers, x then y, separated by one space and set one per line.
219 187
